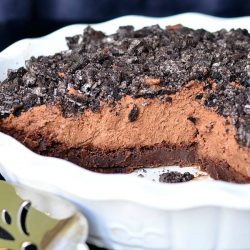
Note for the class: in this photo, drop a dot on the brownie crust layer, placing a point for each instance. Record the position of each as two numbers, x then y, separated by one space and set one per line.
128 159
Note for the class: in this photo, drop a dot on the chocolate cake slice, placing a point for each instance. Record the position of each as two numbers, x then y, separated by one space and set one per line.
148 97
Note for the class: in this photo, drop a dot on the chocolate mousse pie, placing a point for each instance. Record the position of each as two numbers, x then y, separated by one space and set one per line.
136 98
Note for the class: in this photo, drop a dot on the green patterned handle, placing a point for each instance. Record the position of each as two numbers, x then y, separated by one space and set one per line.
32 220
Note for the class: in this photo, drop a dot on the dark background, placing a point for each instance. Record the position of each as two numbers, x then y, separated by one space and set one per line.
32 18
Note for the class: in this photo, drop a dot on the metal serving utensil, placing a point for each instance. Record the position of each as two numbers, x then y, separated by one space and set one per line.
35 220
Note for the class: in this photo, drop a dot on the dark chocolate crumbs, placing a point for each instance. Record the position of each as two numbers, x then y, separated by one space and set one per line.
104 68
199 96
175 177
133 114
169 99
192 119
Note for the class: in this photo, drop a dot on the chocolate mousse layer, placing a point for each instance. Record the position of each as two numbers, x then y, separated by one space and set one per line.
138 98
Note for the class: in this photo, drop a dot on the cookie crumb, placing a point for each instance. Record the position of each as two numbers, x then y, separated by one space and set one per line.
199 96
192 119
175 177
169 99
133 114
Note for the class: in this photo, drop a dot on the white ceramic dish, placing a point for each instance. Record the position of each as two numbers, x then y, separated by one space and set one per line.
124 211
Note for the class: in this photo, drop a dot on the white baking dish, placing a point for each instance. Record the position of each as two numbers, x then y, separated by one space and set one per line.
124 211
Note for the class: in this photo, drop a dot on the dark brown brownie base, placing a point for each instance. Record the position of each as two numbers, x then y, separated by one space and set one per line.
127 160
216 169
220 170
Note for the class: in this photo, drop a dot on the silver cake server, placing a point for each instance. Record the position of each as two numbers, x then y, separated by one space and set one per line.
32 220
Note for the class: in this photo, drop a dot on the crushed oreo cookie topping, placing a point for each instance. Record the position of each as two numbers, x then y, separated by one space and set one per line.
175 177
147 63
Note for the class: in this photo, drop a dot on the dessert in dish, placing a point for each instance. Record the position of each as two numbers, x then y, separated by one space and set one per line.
150 97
